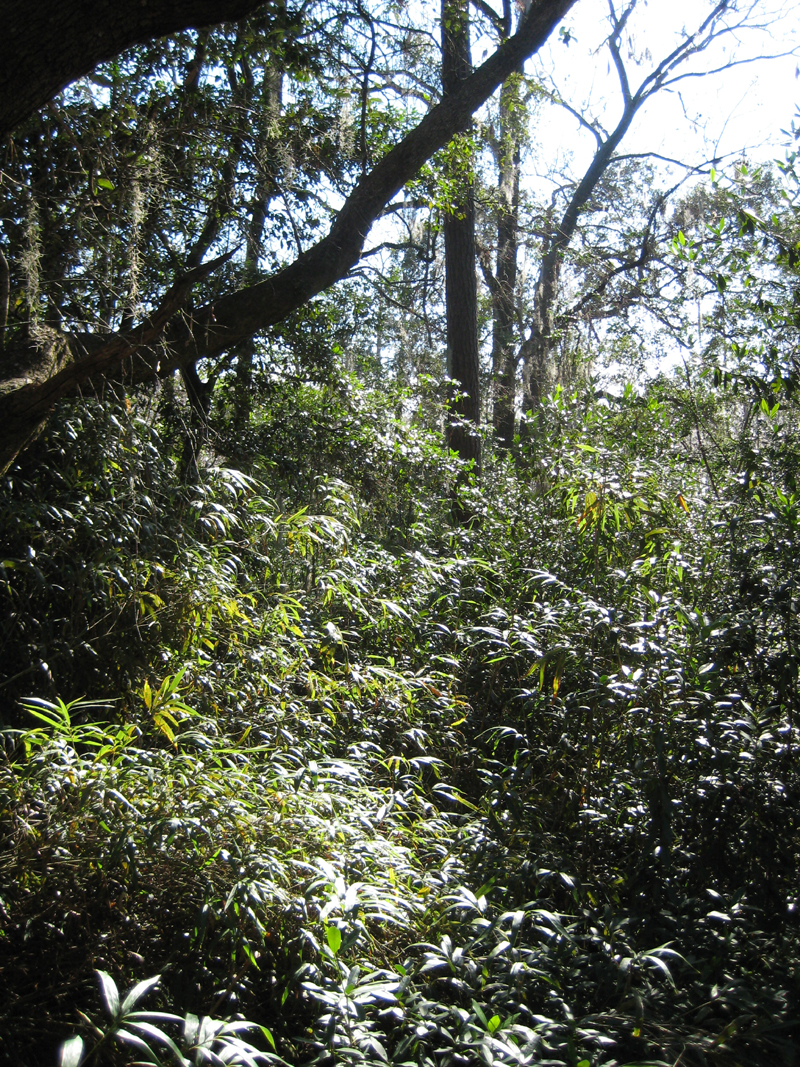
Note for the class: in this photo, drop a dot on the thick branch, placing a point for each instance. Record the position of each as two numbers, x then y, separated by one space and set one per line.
247 311
24 410
489 12
46 45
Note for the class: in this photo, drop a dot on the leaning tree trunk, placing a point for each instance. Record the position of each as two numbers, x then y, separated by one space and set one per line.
461 286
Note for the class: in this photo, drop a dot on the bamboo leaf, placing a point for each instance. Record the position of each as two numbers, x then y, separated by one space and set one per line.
108 988
71 1053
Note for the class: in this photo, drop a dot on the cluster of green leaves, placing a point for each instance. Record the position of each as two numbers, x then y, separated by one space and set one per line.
398 790
303 433
203 1040
190 817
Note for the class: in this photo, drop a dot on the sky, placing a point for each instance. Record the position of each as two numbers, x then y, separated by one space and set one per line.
745 107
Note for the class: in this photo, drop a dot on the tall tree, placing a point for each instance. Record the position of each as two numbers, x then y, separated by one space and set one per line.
504 291
506 137
461 285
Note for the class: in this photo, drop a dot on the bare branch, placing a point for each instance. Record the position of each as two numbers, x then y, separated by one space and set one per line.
691 45
493 16
728 66
559 101
694 167
613 45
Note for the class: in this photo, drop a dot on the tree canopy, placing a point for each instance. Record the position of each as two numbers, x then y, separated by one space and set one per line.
235 315
47 46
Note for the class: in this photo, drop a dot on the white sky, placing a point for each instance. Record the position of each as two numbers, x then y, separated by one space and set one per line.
743 108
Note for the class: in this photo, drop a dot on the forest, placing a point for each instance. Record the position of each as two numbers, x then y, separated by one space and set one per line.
399 514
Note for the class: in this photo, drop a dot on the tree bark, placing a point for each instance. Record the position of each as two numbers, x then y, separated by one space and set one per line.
46 45
24 411
504 362
215 328
461 286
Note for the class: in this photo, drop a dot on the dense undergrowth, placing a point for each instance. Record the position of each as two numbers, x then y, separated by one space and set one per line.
394 789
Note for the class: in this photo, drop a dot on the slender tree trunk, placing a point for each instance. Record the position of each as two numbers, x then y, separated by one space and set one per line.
536 350
504 364
461 286
196 431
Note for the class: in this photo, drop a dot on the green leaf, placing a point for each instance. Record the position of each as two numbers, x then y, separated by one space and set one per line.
138 1043
140 990
108 987
249 953
55 723
191 1029
71 1052
156 1034
104 183
480 1013
334 936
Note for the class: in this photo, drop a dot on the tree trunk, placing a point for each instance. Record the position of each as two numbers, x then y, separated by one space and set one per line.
195 433
461 285
536 350
504 363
